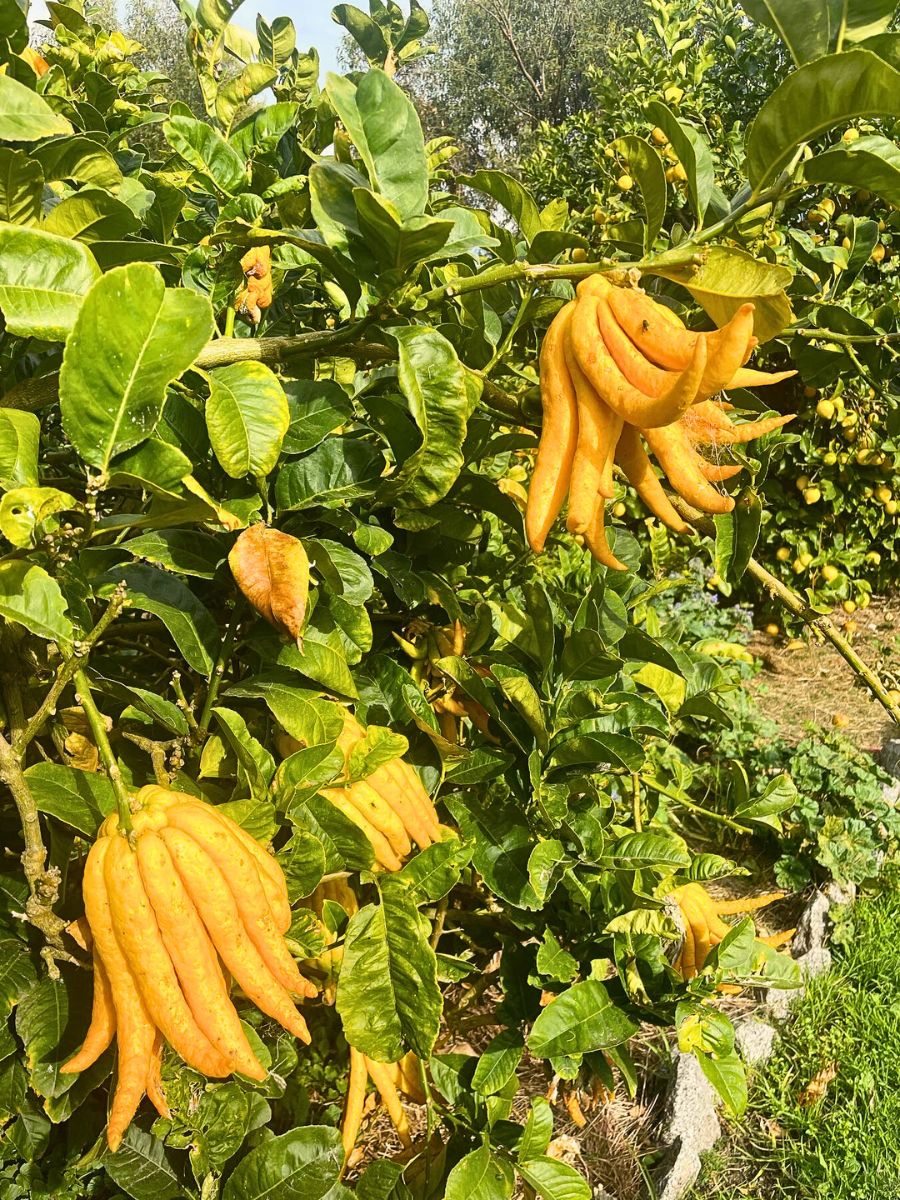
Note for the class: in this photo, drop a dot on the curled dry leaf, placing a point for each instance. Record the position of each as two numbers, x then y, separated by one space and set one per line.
272 570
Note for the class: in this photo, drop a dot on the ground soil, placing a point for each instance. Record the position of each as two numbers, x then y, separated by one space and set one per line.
804 682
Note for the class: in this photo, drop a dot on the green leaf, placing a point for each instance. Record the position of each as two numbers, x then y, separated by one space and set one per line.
216 14
815 98
92 215
43 281
554 1180
693 153
635 851
737 533
25 116
21 187
728 278
186 552
233 94
647 168
727 1075
538 1129
397 244
255 761
498 1062
303 1164
521 693
312 721
30 597
553 961
511 195
363 30
870 162
591 749
384 126
339 470
388 996
79 799
433 381
433 872
806 27
247 417
190 623
19 443
317 407
78 159
132 338
17 973
481 1175
217 164
502 847
144 1168
579 1020
23 509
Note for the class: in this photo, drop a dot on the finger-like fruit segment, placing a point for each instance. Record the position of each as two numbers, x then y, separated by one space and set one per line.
677 457
194 956
355 1101
595 537
635 366
102 1028
559 433
384 853
611 385
379 813
633 460
134 1028
138 935
155 1092
718 472
650 327
728 352
746 377
218 910
598 432
381 1077
239 868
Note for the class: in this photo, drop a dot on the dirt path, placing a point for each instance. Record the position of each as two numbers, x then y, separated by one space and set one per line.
804 683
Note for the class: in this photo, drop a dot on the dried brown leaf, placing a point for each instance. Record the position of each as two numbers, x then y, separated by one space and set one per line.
272 570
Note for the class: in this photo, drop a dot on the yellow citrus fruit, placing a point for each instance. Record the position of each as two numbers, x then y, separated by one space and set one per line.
891 507
825 409
783 553
840 720
797 566
849 606
600 217
878 253
830 572
846 243
864 600
883 494
830 458
673 94
806 558
801 483
850 135
625 183
812 495
827 206
773 630
579 254
873 557
618 509
659 136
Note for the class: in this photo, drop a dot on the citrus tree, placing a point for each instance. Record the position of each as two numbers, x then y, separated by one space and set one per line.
269 404
832 519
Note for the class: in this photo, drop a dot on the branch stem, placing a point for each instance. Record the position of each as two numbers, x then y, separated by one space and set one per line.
101 740
678 798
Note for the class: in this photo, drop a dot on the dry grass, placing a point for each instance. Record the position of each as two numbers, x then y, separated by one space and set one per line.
804 682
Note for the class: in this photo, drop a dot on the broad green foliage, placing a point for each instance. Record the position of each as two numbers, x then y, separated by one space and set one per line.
382 410
822 255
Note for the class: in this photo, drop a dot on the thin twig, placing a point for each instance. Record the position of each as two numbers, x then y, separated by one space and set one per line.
101 741
680 799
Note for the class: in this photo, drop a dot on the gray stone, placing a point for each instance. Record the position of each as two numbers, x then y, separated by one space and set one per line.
815 962
679 1175
755 1040
812 928
600 1193
779 1002
840 893
889 758
689 1116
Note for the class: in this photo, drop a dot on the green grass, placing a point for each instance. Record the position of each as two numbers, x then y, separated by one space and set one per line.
847 1146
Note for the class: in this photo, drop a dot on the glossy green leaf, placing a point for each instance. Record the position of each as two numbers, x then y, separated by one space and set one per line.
21 186
43 281
498 1062
727 1075
432 872
502 846
132 338
186 552
80 799
19 441
25 116
303 1164
553 1179
364 31
23 509
510 194
216 163
91 215
384 126
317 407
79 159
338 470
728 278
635 851
813 99
31 597
234 93
693 153
870 162
189 622
388 996
807 27
646 166
433 381
481 1175
581 1019
18 974
247 417
737 533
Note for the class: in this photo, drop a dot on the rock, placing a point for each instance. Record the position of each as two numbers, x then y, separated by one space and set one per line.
600 1193
690 1127
889 758
815 962
679 1175
812 928
840 893
780 1000
755 1040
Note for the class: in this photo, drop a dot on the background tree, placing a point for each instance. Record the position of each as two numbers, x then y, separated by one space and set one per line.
159 27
